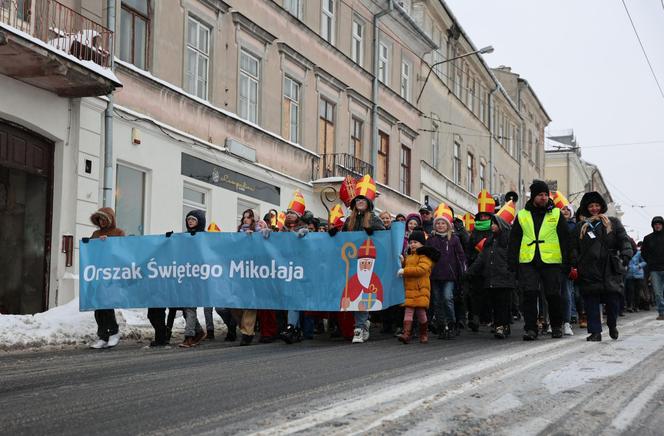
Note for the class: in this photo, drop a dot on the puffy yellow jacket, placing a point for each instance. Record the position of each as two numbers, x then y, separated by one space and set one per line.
416 271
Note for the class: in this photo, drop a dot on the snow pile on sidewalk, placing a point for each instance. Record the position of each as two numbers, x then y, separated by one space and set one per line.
64 325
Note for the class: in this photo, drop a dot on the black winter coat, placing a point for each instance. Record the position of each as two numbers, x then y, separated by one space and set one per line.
601 261
491 264
652 251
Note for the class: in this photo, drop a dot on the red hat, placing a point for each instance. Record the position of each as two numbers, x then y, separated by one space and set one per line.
480 245
297 204
443 211
469 221
336 216
508 212
213 227
347 190
367 250
366 187
485 202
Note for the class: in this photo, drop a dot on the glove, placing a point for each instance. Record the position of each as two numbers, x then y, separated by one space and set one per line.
573 274
85 240
400 272
169 234
266 233
303 231
369 230
333 231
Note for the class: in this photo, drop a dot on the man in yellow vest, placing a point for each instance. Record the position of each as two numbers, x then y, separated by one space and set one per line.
538 254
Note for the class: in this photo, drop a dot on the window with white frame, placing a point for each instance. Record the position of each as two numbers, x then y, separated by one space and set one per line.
327 20
456 168
482 176
405 80
198 58
356 138
294 7
511 140
357 43
458 79
249 81
130 199
384 63
193 198
482 107
469 173
291 109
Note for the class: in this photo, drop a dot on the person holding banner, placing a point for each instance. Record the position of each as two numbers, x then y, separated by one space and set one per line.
193 332
362 217
107 326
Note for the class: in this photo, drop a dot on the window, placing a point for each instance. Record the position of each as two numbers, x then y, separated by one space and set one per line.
473 96
530 145
404 170
511 140
134 27
294 7
193 198
405 80
383 63
325 127
357 45
130 199
356 138
456 169
470 94
469 173
458 80
482 177
482 105
291 109
435 148
501 129
383 158
198 57
327 21
249 79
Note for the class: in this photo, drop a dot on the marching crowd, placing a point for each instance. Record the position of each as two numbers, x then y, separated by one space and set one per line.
548 263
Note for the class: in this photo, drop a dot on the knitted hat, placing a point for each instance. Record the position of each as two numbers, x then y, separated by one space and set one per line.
537 187
418 235
657 220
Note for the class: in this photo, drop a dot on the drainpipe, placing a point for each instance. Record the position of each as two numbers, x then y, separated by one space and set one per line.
375 87
491 127
520 143
108 119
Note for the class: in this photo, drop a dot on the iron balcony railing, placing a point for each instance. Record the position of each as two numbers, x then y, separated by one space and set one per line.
340 165
60 27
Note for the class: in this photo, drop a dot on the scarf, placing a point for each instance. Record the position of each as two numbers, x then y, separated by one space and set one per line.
483 225
593 222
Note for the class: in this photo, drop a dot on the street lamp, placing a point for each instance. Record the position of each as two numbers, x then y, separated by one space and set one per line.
487 49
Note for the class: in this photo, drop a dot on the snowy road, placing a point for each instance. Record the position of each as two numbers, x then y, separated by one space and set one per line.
473 385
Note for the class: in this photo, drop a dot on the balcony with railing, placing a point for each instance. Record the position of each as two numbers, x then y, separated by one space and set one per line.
48 45
340 165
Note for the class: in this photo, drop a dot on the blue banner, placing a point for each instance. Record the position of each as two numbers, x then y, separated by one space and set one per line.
349 272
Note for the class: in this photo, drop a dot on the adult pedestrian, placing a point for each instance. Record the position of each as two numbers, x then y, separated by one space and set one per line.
635 280
600 252
426 214
107 326
538 254
652 252
476 295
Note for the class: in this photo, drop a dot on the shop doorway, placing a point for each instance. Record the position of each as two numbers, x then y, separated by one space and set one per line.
26 191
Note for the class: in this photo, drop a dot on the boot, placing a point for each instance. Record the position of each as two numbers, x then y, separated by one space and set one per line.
407 328
594 337
187 343
613 332
246 340
424 333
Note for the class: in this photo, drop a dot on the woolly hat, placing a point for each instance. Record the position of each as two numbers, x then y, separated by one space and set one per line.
537 187
416 217
418 235
589 198
657 220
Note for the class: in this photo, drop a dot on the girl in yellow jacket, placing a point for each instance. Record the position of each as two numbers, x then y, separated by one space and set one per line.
416 271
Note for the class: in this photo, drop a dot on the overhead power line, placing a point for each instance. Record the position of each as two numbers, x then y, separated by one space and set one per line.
643 49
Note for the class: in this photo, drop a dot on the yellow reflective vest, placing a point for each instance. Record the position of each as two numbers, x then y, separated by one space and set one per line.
546 240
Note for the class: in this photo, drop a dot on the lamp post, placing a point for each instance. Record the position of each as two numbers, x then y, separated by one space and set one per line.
487 49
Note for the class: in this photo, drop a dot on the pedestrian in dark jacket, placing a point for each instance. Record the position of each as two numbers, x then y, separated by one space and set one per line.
426 213
538 253
107 326
635 280
498 280
476 298
600 251
652 252
566 284
193 332
446 272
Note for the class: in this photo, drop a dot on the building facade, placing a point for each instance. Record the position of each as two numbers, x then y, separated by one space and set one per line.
155 108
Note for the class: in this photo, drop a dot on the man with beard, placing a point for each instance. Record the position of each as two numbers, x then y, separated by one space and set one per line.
364 290
538 253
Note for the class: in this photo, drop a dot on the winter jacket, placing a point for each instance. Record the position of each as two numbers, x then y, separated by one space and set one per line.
427 226
110 229
635 267
460 231
452 262
491 264
516 235
600 260
652 251
416 271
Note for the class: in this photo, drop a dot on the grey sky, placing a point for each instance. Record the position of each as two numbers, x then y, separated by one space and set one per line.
584 62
